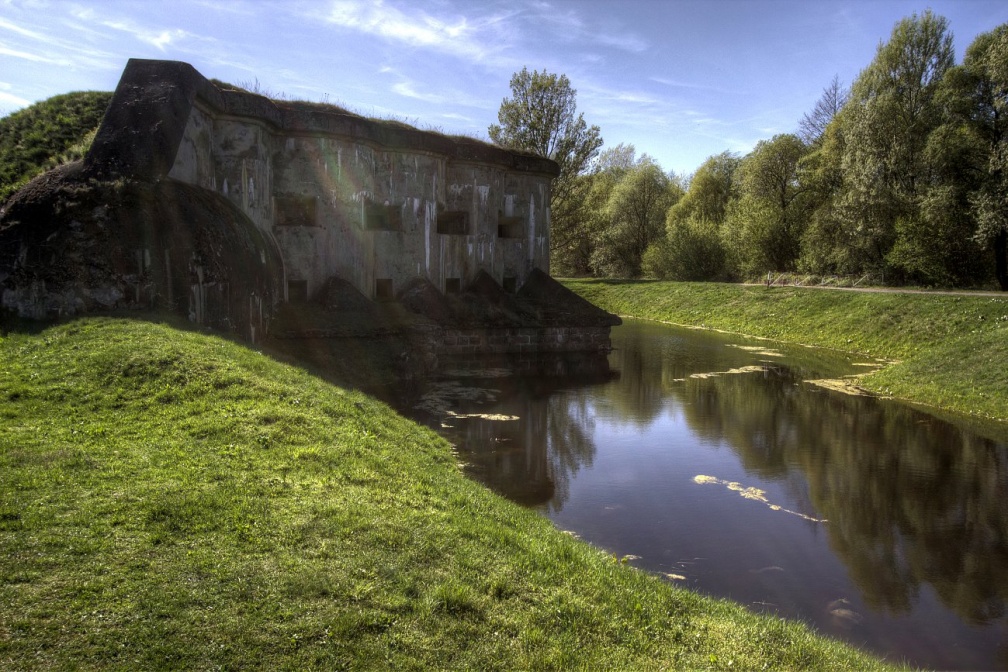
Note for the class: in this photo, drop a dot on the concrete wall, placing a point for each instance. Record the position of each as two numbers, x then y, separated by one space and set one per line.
377 210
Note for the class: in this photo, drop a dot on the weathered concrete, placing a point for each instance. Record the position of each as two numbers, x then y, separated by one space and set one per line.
70 246
375 203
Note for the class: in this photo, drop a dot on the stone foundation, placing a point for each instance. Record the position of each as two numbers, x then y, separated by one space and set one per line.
523 340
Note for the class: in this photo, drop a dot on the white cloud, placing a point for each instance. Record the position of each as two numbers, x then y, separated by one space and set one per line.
417 29
406 89
28 56
157 38
9 100
20 30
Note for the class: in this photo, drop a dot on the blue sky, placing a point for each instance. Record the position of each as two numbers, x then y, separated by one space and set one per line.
680 80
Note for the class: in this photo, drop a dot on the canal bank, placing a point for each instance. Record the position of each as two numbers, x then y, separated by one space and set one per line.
946 352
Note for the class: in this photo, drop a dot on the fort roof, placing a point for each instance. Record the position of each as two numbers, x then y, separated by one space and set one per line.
155 94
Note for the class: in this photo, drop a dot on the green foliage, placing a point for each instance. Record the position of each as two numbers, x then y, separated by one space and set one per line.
634 217
764 225
171 500
977 98
710 191
541 116
691 250
47 134
892 175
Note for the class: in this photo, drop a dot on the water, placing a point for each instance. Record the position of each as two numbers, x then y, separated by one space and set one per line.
713 461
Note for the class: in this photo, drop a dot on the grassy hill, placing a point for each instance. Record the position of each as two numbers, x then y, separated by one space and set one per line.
173 500
46 134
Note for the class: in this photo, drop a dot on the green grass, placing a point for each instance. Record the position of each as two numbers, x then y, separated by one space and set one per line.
172 500
948 352
54 131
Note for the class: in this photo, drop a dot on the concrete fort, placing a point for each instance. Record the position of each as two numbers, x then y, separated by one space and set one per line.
323 202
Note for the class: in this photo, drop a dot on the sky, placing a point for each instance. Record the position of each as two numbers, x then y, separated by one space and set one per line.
680 80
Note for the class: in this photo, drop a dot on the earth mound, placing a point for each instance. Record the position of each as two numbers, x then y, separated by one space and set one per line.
73 244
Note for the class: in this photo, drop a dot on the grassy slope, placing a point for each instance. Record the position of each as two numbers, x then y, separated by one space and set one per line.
173 500
950 351
46 133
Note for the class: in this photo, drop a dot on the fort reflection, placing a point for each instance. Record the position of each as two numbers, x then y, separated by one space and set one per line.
534 440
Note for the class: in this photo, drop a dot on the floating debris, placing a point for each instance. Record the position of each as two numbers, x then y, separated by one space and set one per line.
757 350
674 577
764 570
439 399
742 369
754 494
842 613
499 417
477 373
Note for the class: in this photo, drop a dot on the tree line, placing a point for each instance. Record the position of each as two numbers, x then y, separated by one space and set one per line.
903 176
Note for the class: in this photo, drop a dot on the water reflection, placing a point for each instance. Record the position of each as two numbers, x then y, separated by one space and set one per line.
913 561
910 499
534 440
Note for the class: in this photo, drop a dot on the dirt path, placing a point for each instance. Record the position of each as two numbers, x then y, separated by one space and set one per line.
893 290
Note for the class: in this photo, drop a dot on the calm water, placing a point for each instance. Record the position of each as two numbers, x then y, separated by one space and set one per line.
712 461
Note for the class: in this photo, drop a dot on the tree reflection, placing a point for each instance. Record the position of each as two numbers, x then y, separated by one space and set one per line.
910 499
531 459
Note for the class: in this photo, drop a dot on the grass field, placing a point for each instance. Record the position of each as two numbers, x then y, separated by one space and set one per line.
948 352
172 500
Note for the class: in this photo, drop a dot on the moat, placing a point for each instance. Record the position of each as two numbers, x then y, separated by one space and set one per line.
717 462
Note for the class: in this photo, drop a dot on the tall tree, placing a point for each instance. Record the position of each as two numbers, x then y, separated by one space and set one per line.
636 218
884 128
607 170
692 248
978 98
541 116
813 124
764 226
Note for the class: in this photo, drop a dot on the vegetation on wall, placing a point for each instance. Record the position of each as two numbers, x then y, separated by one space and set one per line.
46 134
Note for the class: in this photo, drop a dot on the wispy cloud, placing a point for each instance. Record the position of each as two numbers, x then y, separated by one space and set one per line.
679 84
53 49
9 100
454 34
406 89
29 56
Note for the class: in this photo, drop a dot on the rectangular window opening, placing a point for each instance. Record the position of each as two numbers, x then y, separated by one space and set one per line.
382 217
453 286
510 227
297 291
383 289
453 223
295 210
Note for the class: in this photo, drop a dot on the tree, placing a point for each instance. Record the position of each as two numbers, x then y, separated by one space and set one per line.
692 248
541 117
978 100
710 189
813 124
635 213
607 170
876 145
764 226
